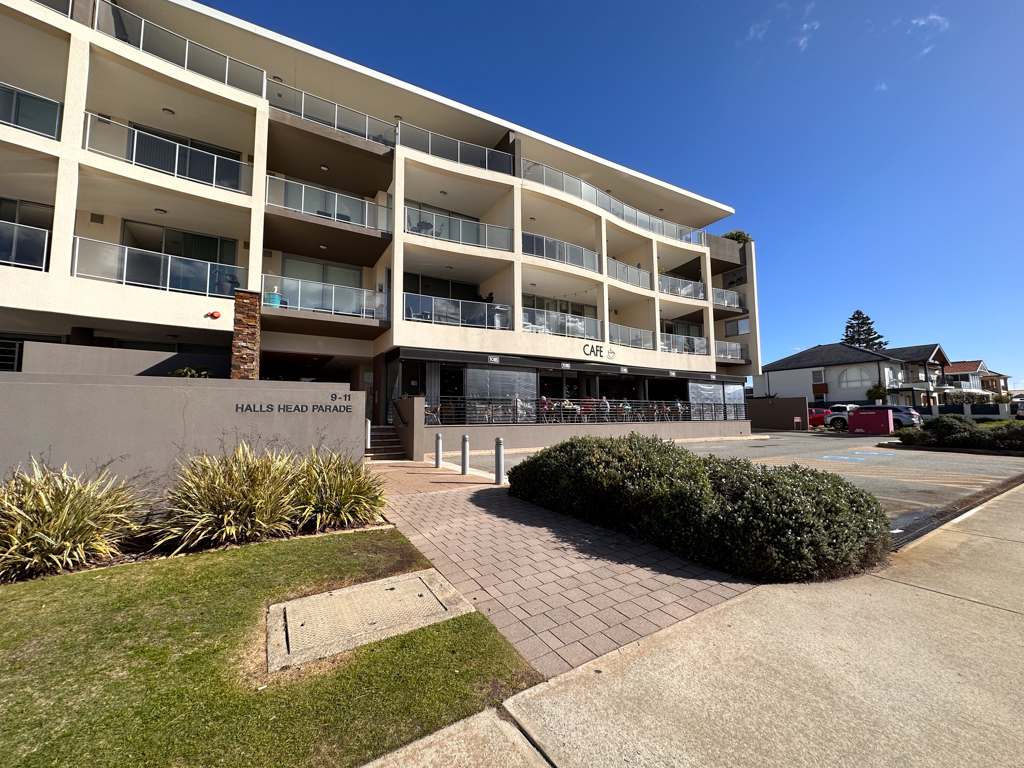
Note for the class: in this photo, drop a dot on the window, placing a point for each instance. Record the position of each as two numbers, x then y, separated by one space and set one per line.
737 327
679 328
322 272
230 154
734 277
819 398
855 378
818 376
555 305
175 242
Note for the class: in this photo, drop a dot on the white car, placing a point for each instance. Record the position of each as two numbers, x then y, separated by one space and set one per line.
839 412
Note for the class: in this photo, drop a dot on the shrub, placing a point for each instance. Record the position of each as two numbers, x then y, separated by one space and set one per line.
238 497
51 520
774 524
959 397
877 392
1009 437
941 428
202 372
333 491
738 235
913 436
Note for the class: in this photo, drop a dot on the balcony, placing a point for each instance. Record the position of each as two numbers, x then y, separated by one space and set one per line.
561 324
164 44
452 149
729 299
134 266
456 230
309 296
683 289
23 246
557 250
550 177
106 137
730 350
625 336
323 112
641 278
63 7
29 112
684 345
467 314
316 201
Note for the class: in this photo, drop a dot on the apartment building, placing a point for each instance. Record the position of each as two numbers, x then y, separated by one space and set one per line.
178 186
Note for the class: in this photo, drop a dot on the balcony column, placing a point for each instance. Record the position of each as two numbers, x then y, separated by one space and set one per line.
601 247
62 240
245 340
397 258
517 255
259 192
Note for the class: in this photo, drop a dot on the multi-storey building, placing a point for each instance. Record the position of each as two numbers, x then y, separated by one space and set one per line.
182 183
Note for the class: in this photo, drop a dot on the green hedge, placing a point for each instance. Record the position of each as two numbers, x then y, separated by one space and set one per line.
768 523
955 431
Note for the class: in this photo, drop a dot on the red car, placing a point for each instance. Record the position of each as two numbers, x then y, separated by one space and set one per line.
816 416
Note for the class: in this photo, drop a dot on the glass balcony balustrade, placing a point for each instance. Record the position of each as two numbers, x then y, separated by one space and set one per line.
25 110
557 250
730 350
63 7
551 177
625 336
452 149
730 299
180 51
684 345
627 274
106 137
316 201
457 230
470 314
310 296
135 266
684 289
336 116
561 324
24 246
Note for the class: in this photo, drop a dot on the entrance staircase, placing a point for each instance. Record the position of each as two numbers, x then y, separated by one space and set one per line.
385 445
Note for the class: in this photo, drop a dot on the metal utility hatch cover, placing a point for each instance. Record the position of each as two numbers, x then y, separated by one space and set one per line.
321 625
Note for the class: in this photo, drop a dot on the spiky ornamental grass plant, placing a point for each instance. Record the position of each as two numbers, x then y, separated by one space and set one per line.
52 520
230 499
336 492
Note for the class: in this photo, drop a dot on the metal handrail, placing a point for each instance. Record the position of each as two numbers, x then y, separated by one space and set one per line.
336 116
551 177
310 296
14 117
724 298
625 336
729 350
456 230
146 36
134 266
561 324
24 246
627 274
684 289
113 139
445 409
684 345
559 250
457 151
327 204
470 314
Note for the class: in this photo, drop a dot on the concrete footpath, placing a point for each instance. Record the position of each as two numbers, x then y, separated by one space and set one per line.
921 664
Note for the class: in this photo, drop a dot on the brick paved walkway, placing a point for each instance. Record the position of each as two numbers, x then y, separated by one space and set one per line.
563 592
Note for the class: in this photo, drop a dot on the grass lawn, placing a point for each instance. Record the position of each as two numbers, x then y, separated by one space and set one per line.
158 663
994 424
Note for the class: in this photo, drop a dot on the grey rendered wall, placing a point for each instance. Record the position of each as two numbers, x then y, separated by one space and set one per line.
140 427
777 413
38 357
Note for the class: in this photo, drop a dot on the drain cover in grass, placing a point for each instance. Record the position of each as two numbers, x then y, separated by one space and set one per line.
321 625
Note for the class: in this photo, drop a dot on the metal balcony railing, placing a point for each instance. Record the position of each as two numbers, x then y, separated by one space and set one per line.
23 246
180 51
326 204
134 266
730 299
457 230
561 324
63 7
625 336
452 149
729 350
340 118
470 314
106 137
684 289
562 410
551 177
627 274
310 296
10 355
684 345
29 111
557 250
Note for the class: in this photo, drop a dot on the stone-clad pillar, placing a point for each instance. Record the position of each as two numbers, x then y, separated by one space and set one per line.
245 341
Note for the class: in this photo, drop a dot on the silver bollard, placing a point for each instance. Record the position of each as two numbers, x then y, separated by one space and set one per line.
499 461
465 454
437 451
368 431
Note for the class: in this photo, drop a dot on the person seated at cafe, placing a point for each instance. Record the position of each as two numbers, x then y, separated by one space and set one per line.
589 404
433 414
605 408
545 408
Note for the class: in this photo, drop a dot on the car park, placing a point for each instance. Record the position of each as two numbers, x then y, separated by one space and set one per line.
902 416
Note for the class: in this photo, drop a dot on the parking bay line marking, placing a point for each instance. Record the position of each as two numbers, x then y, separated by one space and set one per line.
872 453
841 458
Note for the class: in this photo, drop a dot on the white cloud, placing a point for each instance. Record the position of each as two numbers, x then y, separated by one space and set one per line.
757 31
938 23
926 51
806 32
809 8
881 87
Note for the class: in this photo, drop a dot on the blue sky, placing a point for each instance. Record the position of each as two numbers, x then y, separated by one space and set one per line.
874 149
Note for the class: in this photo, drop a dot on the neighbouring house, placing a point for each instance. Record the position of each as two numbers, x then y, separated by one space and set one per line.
925 379
975 376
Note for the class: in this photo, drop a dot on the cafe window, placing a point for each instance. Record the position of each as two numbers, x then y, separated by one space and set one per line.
501 382
737 327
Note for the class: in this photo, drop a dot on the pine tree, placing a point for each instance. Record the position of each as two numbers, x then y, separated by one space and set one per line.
860 332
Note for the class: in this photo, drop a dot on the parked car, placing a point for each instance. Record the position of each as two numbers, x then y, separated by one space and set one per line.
816 416
902 416
839 412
